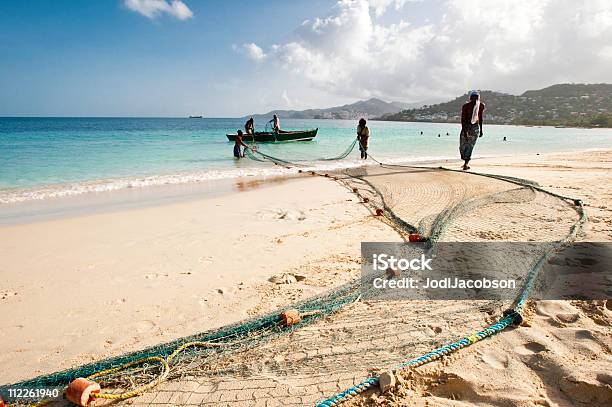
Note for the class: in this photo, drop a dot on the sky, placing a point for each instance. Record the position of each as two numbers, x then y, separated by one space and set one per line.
173 58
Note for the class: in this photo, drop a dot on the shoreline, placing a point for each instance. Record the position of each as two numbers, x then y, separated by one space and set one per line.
25 204
89 203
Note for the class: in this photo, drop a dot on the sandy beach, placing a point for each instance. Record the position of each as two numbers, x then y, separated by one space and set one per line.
78 288
273 204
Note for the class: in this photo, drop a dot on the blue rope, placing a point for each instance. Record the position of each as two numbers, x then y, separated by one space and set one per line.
426 358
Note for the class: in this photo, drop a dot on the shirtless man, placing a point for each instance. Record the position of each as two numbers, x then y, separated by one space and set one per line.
238 144
275 123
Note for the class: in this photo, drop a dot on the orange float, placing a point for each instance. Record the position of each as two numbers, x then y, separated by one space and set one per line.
79 391
391 272
415 237
290 317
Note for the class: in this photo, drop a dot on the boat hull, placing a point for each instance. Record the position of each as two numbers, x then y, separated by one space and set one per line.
270 137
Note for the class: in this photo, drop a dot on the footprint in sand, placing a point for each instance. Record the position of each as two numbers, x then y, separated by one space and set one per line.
144 326
205 260
568 318
605 378
530 348
495 359
584 334
558 310
152 276
284 214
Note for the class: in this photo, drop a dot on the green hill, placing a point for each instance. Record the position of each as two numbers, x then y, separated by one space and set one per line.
364 108
577 105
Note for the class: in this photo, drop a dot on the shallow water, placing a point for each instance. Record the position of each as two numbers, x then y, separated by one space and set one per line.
50 157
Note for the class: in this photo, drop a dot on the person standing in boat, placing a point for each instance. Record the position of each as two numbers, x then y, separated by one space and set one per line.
471 127
275 123
238 144
363 135
249 126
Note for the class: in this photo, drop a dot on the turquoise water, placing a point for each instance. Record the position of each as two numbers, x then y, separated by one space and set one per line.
45 157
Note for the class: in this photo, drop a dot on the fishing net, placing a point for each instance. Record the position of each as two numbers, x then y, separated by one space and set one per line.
458 206
255 153
343 335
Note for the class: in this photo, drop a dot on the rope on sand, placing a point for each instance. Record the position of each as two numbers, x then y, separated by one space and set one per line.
426 358
165 364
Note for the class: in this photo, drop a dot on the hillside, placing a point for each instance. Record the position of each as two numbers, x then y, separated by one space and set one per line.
363 108
580 105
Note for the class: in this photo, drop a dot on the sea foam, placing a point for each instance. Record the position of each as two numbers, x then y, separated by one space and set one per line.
186 177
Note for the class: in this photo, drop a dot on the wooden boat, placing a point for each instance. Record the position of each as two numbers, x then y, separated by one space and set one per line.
272 137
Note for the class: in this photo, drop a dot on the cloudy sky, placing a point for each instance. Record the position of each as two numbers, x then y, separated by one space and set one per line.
231 58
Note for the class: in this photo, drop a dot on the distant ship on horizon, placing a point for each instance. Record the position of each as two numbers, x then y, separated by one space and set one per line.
196 117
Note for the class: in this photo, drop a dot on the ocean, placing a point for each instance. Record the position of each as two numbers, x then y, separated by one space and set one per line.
52 157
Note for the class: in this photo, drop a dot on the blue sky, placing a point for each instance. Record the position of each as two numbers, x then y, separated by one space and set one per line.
99 58
231 58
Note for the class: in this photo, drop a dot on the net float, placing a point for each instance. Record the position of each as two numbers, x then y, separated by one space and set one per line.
391 272
79 391
415 237
379 212
312 173
326 175
355 190
290 317
366 200
300 171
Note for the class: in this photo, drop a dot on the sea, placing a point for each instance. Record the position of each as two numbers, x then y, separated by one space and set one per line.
44 158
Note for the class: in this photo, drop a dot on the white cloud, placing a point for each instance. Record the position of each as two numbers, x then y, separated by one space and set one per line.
153 8
508 45
289 102
380 6
254 52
